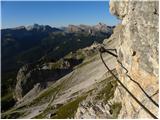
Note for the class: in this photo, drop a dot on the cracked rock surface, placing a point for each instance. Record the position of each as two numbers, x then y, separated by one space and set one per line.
137 39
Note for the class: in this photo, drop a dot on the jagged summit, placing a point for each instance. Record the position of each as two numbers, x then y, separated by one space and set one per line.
34 27
101 27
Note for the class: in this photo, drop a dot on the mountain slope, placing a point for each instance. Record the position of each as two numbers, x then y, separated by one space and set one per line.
27 45
89 80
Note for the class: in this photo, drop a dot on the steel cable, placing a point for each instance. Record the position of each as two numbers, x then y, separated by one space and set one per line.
146 109
107 50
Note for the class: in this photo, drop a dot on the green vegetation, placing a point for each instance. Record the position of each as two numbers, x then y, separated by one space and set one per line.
45 95
7 97
80 55
60 107
56 65
115 109
108 90
62 111
77 55
68 110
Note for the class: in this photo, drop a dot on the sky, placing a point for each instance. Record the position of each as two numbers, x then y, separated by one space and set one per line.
55 14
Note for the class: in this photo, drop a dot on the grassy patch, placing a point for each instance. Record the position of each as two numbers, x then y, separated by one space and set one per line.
56 65
45 95
108 90
7 97
78 55
68 110
115 109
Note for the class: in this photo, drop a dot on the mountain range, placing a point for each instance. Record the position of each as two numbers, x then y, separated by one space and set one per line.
28 45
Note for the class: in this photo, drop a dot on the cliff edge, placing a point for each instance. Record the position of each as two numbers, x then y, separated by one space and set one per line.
137 47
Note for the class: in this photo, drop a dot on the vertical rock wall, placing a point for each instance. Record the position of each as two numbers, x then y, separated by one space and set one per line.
138 51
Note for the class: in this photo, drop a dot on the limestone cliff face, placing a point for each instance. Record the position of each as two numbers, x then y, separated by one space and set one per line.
138 51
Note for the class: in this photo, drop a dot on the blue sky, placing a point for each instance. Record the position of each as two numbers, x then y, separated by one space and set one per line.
62 13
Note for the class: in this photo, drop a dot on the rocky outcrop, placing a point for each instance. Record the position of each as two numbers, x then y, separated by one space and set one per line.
137 46
99 104
29 75
21 77
37 76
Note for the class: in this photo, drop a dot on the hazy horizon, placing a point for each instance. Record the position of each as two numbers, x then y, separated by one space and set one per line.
56 14
56 26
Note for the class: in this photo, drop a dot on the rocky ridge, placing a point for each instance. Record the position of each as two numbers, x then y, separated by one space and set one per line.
100 28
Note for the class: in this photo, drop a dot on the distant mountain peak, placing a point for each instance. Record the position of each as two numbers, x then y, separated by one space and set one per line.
38 27
18 28
101 27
